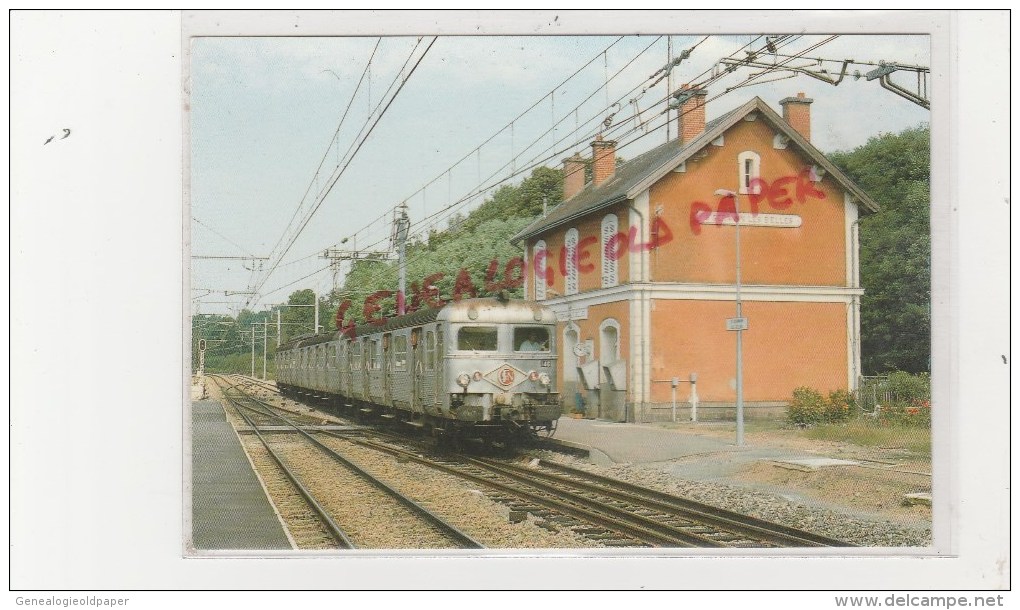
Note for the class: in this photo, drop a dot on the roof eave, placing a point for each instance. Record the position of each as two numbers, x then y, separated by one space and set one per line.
528 233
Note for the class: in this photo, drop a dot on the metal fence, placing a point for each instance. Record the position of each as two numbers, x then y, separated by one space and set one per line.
898 389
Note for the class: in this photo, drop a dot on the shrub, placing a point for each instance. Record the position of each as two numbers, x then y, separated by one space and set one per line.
840 406
807 407
909 400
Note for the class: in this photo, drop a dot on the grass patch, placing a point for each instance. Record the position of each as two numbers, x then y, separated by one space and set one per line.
869 433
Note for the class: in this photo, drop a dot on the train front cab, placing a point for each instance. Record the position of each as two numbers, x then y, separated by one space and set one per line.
503 374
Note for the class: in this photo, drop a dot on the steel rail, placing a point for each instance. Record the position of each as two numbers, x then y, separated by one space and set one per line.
334 529
445 528
640 528
681 507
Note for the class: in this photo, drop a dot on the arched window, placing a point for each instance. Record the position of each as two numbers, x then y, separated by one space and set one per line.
609 341
570 341
570 241
749 168
610 276
539 266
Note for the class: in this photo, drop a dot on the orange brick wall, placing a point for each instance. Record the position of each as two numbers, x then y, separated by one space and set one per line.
588 227
810 255
787 344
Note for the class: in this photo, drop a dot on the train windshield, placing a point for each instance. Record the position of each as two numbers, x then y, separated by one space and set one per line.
531 339
477 338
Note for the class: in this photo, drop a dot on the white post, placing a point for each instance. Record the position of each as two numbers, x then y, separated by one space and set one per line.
316 312
253 351
694 397
265 337
278 327
674 399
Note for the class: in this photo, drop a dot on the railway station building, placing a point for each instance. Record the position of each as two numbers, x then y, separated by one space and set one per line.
641 266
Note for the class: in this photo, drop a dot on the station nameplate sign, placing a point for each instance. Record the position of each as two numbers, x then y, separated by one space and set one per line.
783 221
736 324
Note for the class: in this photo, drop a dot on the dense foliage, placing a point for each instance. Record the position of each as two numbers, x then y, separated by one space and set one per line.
471 243
895 250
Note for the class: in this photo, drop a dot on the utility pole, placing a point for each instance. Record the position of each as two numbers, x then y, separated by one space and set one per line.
401 225
279 331
739 323
336 257
253 350
265 340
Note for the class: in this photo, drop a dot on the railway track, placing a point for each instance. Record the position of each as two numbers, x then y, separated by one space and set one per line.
612 512
417 523
608 512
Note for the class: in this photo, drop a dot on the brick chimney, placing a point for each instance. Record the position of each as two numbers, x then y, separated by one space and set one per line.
603 154
797 112
573 175
691 122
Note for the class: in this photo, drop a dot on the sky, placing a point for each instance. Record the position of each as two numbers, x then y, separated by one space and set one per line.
275 172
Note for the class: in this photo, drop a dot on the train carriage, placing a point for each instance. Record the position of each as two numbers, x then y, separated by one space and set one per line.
478 367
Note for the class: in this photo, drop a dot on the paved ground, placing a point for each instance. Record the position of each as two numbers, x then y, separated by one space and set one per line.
229 510
645 443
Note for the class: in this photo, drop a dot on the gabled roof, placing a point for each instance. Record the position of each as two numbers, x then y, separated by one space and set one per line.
641 172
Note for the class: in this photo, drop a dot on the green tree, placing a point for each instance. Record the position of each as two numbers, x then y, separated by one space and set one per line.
895 250
471 242
298 316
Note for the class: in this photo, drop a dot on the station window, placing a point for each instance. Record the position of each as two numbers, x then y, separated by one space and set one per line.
749 167
610 226
570 241
477 338
540 264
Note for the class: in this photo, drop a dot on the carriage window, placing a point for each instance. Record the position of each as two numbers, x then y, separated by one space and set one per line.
370 350
356 356
373 356
430 350
400 352
477 338
531 339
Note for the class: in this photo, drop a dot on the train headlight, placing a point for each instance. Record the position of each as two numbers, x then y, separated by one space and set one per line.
533 375
544 379
463 380
477 376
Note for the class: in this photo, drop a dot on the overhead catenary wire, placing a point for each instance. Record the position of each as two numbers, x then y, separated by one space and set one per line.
523 167
339 173
477 152
534 162
336 135
710 80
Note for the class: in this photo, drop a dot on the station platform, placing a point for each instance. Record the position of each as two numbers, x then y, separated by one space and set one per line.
683 453
229 507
